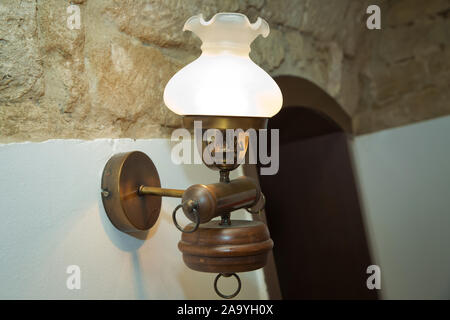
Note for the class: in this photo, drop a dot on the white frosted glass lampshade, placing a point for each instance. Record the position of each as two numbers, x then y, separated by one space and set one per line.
224 81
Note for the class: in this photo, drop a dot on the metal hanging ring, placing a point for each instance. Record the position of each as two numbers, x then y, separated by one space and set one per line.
230 296
260 210
196 215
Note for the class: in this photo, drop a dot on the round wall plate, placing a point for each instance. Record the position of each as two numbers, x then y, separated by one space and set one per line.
122 176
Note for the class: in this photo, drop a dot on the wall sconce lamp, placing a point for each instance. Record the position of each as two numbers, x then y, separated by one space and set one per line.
224 89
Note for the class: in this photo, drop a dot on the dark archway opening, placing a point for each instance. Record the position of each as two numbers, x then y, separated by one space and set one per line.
312 210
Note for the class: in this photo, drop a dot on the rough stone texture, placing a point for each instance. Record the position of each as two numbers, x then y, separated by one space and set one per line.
107 78
406 74
62 55
20 66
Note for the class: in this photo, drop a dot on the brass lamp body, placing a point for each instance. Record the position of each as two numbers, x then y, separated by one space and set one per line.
131 195
221 198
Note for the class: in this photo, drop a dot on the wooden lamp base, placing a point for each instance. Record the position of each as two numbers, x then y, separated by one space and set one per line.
239 247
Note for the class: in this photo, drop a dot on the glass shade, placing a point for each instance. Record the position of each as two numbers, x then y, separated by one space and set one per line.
224 81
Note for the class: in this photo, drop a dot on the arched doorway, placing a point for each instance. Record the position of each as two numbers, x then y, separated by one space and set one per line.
312 209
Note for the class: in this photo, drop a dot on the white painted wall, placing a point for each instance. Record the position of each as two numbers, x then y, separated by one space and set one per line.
52 217
404 177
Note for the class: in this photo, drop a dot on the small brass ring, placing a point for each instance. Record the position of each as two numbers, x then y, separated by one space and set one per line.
249 210
253 212
196 215
230 296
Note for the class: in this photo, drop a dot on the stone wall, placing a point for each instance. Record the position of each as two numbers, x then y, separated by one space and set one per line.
107 78
406 74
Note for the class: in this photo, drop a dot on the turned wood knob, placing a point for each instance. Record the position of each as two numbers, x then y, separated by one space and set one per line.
239 247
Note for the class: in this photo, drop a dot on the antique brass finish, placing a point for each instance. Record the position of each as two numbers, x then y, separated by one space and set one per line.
227 275
131 194
220 198
174 193
193 205
225 122
123 175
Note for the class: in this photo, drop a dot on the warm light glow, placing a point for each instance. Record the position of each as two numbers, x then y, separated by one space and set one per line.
224 81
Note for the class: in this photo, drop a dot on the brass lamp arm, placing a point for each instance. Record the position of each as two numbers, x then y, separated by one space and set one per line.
155 191
129 177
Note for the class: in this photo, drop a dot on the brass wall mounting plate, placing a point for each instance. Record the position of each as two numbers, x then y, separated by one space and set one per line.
122 176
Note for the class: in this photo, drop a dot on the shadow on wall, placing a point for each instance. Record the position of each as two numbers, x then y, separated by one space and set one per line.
313 210
154 256
123 241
